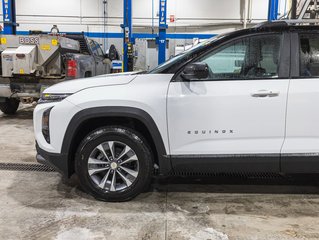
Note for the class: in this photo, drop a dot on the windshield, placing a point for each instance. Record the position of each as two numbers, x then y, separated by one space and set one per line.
184 56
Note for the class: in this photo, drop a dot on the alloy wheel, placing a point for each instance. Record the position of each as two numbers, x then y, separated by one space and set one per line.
113 166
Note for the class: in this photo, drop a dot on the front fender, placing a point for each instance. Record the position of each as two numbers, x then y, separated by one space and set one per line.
128 112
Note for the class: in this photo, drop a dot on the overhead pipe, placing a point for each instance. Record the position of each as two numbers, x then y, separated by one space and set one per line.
135 18
106 43
250 11
238 23
245 14
153 17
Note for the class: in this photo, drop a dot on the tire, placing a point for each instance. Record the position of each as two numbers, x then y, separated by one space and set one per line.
10 106
100 184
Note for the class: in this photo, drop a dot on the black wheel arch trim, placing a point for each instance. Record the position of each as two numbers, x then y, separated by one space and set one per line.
113 111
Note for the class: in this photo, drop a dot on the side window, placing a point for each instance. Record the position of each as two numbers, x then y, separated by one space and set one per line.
227 62
99 49
246 58
309 55
93 47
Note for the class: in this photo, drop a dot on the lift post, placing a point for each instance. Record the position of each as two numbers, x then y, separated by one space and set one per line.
273 10
161 40
9 16
127 39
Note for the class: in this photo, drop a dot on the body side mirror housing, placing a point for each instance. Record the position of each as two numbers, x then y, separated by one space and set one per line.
195 71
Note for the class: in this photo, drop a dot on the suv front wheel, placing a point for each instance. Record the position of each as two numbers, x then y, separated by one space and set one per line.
114 164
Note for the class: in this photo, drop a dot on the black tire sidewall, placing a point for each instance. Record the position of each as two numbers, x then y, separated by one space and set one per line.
124 135
10 106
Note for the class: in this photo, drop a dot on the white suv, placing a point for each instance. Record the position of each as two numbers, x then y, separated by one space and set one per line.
241 102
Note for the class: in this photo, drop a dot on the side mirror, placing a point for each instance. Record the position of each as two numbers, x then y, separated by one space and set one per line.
195 71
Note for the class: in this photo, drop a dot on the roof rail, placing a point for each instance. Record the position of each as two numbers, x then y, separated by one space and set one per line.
272 24
288 22
301 21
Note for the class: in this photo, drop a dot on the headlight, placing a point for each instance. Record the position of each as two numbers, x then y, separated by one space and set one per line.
46 124
48 97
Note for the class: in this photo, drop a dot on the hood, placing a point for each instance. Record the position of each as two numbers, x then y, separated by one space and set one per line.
73 86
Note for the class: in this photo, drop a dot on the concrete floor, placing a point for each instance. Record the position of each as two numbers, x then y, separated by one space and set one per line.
40 205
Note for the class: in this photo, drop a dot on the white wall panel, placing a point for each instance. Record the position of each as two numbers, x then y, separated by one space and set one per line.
48 7
116 7
260 9
81 15
207 9
87 15
91 7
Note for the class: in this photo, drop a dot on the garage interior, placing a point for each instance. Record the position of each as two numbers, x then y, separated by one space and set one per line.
37 203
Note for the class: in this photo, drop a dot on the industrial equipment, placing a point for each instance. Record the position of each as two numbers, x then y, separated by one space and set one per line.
29 64
34 56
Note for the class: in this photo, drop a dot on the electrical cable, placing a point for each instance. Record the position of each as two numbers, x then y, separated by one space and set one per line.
288 13
104 25
152 16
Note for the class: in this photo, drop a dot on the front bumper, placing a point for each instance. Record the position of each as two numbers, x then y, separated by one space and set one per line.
57 161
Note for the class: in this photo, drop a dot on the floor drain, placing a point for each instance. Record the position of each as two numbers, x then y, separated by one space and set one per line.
25 167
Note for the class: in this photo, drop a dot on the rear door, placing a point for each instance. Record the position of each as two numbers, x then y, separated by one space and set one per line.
300 152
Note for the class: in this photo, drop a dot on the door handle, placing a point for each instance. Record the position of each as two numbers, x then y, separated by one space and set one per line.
265 93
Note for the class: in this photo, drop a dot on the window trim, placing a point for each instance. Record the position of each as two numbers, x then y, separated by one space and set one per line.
284 59
295 55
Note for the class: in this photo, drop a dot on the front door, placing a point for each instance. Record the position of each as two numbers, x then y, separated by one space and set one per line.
235 119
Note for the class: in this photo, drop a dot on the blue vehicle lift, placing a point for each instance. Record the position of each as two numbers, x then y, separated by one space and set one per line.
161 39
273 10
128 40
9 16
